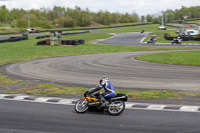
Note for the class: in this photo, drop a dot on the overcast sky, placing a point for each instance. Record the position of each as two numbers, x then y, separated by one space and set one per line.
141 7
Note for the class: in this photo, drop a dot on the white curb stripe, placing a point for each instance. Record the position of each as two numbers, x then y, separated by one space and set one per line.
129 105
66 101
3 95
42 99
189 108
156 107
20 97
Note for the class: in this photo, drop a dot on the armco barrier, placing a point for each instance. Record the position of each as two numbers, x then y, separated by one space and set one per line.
13 39
87 28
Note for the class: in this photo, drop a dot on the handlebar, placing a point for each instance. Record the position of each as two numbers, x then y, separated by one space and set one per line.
90 94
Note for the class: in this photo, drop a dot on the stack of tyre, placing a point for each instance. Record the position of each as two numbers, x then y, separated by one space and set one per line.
43 42
45 36
72 42
64 42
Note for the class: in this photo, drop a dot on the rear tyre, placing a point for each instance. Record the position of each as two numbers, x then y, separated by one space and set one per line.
81 106
116 107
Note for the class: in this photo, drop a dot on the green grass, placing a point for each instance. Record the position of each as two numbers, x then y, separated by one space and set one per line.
4 81
196 22
160 36
28 50
152 27
52 89
181 58
4 30
152 94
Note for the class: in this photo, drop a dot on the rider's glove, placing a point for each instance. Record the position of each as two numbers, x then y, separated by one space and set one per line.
86 93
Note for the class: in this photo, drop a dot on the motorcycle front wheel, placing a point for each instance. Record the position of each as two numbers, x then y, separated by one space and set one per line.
116 107
81 106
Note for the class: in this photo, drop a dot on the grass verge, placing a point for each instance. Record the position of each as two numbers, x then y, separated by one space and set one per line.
52 89
4 81
147 28
181 58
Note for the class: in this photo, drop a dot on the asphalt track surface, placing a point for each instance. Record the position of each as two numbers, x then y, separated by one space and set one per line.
136 38
122 69
25 117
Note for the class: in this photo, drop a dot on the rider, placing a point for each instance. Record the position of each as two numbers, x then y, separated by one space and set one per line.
153 37
108 87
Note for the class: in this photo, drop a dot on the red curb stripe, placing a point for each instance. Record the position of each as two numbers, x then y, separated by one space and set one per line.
10 96
53 100
172 107
30 98
140 106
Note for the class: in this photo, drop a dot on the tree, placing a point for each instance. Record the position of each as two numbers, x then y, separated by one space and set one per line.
66 22
156 20
134 18
149 18
169 15
62 17
115 17
125 18
142 18
4 14
22 23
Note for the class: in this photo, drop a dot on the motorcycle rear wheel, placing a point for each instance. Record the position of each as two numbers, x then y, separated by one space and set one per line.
116 107
81 106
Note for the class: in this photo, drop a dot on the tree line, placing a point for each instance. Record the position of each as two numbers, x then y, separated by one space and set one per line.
61 17
182 14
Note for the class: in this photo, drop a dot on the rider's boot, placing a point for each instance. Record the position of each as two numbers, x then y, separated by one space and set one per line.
103 101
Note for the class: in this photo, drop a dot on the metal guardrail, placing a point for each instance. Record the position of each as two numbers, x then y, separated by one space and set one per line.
85 28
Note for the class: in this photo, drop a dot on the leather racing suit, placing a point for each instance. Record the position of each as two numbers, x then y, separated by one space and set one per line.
109 90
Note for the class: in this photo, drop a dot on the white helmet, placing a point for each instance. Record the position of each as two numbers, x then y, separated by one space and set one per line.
104 79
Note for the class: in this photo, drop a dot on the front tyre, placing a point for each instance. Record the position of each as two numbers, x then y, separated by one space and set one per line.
81 106
116 107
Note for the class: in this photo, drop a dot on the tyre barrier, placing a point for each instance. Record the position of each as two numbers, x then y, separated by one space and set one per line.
64 42
168 37
39 37
14 39
43 42
81 41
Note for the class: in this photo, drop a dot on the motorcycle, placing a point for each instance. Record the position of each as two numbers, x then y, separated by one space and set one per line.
142 31
176 40
115 106
152 40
